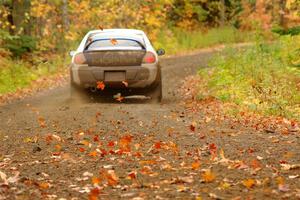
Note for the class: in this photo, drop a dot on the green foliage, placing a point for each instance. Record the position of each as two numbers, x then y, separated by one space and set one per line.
19 45
16 73
290 31
262 78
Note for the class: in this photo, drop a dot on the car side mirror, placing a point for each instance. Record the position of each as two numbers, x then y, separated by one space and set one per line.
72 53
160 52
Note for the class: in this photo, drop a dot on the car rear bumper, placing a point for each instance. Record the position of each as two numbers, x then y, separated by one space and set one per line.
136 76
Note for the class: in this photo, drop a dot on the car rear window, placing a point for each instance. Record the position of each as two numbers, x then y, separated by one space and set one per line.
113 43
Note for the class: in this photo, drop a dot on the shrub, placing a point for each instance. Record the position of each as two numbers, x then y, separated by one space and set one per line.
19 45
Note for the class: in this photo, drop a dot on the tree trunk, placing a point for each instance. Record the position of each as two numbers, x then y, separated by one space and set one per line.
21 9
282 13
223 10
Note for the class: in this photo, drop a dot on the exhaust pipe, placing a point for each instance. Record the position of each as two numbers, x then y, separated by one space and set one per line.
93 89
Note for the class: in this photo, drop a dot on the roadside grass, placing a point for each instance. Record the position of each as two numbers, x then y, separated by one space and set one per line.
177 40
16 74
264 78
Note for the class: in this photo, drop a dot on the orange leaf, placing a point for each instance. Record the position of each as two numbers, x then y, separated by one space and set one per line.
44 185
280 180
147 162
49 139
93 153
58 147
208 176
81 149
85 142
100 85
196 165
100 27
255 164
113 41
124 143
112 178
213 150
132 175
96 180
249 183
94 193
42 122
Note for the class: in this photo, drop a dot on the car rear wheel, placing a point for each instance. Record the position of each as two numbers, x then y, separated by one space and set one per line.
156 90
77 94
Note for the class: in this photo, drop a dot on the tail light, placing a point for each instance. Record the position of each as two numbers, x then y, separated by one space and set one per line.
80 59
149 58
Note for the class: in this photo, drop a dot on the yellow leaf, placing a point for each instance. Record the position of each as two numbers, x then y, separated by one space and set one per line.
208 176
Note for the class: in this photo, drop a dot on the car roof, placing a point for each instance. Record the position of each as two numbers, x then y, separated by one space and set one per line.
117 31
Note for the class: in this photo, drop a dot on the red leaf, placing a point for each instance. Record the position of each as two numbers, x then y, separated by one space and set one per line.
157 145
94 193
132 175
96 138
111 143
193 127
213 150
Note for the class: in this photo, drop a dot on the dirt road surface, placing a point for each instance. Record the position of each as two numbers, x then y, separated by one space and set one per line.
53 149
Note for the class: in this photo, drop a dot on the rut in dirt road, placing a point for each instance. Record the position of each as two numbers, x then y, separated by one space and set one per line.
52 149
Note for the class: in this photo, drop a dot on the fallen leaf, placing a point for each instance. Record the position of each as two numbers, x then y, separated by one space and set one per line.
132 175
157 145
94 194
44 185
112 178
249 183
96 180
93 154
289 167
293 176
124 143
208 176
196 165
42 122
213 150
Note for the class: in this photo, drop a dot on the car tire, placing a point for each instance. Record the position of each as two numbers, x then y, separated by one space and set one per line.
156 90
77 94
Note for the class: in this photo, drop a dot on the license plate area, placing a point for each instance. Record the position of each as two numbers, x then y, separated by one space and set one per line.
114 76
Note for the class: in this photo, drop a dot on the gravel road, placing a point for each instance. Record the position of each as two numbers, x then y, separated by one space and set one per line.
53 149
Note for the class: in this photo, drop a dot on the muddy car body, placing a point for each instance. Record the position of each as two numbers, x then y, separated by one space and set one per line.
119 58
